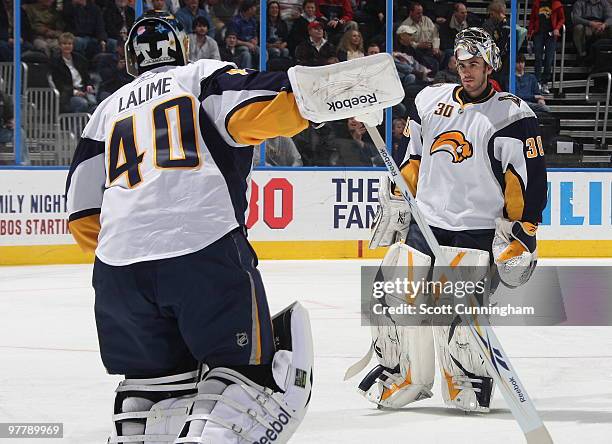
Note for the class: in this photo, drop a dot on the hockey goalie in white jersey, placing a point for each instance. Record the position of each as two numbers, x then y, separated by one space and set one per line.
158 188
475 163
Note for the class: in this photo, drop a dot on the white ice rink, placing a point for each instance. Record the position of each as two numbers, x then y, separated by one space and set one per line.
50 370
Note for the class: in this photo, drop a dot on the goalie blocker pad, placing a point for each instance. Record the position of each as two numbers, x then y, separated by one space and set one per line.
346 89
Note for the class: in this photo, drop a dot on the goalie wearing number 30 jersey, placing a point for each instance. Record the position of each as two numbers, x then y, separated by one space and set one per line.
475 163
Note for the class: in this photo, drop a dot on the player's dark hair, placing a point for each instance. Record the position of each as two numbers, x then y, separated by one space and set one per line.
308 1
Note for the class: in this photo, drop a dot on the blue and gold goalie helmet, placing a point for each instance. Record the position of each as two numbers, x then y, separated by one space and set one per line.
476 42
156 39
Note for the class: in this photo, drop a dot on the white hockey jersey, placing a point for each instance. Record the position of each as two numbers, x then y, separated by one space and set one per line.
470 162
163 166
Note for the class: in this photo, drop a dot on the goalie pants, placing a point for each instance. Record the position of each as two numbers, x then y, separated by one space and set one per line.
477 239
164 316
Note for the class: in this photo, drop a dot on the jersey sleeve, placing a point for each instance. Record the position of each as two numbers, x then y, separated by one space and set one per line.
412 140
85 189
248 107
517 158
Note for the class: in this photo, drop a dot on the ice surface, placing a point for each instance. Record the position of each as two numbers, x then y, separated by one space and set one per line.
50 370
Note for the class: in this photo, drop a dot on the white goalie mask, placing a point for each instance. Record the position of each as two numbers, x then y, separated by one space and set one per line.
156 39
476 42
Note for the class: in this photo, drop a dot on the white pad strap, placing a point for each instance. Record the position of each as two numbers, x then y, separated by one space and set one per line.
346 89
142 412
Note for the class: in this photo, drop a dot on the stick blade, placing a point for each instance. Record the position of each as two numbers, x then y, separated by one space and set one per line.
539 436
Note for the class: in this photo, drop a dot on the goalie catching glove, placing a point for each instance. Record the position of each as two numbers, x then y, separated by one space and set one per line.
392 219
515 251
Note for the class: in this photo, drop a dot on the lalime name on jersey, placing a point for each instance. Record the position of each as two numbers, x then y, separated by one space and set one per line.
144 93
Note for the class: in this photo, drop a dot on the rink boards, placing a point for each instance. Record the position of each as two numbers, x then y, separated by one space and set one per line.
301 214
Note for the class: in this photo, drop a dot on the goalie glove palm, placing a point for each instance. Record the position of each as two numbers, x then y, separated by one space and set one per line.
515 251
392 219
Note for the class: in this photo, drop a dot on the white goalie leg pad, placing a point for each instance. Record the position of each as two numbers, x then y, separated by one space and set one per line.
139 417
346 89
230 408
466 383
405 353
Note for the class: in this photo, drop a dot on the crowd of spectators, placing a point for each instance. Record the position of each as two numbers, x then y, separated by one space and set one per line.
81 41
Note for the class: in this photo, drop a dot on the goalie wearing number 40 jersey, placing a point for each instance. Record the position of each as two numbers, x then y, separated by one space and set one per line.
475 162
158 188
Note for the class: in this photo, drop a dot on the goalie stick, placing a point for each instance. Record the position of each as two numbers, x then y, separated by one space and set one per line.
497 362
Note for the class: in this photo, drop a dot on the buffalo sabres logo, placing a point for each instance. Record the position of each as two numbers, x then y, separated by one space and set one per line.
512 98
454 143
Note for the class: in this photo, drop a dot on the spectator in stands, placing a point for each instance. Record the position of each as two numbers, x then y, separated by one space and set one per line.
231 53
448 75
6 31
351 46
84 20
278 32
592 21
355 147
162 5
316 146
118 20
371 19
7 127
224 10
280 151
527 87
407 54
47 25
246 28
316 51
458 21
190 11
437 10
337 16
201 45
426 40
112 72
547 18
290 10
215 22
299 30
497 25
71 77
499 28
398 127
373 48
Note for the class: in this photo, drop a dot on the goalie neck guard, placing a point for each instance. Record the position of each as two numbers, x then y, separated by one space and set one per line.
156 39
476 42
